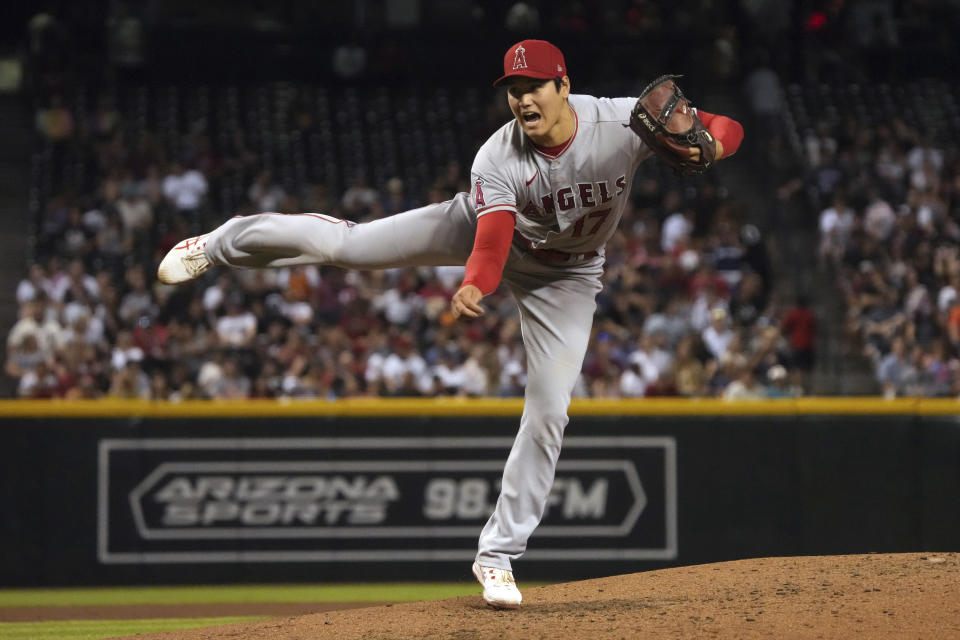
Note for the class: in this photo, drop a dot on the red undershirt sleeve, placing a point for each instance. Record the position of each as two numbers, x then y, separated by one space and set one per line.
490 250
727 130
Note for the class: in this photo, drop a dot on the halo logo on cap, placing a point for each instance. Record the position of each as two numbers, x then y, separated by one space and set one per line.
519 58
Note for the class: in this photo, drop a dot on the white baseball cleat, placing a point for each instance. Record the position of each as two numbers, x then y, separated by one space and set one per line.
185 261
499 589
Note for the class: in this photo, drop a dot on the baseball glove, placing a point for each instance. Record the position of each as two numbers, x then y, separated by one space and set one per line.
665 120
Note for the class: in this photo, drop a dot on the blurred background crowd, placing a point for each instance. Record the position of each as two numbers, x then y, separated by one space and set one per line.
686 310
728 285
888 185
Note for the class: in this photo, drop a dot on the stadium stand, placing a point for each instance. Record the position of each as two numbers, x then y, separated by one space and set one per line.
884 173
118 178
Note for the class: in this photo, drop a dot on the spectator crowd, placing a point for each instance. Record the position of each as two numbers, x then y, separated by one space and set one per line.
688 308
889 229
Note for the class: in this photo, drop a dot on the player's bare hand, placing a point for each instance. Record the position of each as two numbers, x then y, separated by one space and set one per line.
466 302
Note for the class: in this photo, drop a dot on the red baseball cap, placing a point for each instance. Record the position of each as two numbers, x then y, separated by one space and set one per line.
533 59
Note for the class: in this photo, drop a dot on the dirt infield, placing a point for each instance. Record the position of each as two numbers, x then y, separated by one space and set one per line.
867 596
870 596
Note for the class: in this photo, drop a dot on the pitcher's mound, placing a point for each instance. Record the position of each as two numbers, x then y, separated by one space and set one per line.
914 595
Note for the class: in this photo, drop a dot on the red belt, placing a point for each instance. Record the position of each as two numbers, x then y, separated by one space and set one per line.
549 255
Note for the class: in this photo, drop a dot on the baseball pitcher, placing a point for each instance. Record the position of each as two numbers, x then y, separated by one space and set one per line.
548 189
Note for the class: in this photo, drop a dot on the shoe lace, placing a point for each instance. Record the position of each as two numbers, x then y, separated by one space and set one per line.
501 577
195 261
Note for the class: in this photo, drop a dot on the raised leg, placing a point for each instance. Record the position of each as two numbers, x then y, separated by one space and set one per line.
437 234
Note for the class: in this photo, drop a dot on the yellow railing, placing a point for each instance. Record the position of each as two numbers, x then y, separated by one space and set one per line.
474 407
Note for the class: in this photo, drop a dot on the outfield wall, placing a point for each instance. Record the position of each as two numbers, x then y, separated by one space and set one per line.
126 492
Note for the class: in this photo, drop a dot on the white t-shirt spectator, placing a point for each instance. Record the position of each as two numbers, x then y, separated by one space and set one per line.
920 156
835 224
878 220
450 277
94 220
90 285
59 285
717 341
73 311
296 311
675 227
89 332
213 297
48 334
946 297
740 390
374 370
210 378
121 356
237 330
451 377
661 358
632 383
398 307
37 382
27 291
917 299
475 380
396 367
647 364
185 191
702 309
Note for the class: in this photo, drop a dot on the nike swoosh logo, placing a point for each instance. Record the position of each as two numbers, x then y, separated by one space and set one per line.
533 178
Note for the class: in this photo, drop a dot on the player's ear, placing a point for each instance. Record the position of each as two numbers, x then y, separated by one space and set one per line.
565 86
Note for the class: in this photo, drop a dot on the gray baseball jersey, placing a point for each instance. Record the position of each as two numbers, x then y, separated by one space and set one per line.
571 201
568 203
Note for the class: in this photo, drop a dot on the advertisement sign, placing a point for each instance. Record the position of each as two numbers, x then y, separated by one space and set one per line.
266 500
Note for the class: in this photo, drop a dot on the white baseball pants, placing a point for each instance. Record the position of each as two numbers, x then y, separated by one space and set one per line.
556 301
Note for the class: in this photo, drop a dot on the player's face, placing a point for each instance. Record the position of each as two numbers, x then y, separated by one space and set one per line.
540 108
